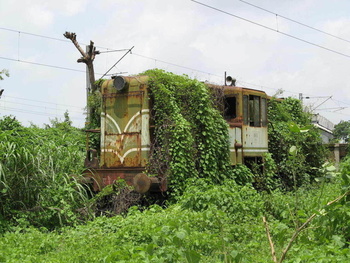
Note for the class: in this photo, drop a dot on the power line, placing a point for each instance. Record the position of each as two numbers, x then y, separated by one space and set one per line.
341 101
129 51
35 112
297 22
45 65
335 109
82 71
109 50
57 39
31 34
139 55
176 65
43 107
272 29
52 103
244 83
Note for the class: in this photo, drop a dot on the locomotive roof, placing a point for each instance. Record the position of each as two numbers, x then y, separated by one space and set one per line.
229 89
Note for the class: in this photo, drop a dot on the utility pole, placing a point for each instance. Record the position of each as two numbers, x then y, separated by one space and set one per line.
301 97
88 57
88 90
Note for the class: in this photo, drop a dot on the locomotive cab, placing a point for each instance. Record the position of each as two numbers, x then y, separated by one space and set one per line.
245 111
124 136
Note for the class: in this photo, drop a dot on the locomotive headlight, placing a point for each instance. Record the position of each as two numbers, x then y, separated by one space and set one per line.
230 81
119 83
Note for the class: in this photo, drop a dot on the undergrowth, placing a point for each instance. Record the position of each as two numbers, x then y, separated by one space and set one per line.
36 167
209 224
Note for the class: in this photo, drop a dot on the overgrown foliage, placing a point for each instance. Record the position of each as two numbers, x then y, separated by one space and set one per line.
94 104
36 186
210 223
341 132
191 135
287 121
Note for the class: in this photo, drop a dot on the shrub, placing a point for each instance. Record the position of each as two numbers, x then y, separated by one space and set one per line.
283 117
35 169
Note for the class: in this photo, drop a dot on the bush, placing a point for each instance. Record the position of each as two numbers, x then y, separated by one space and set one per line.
284 119
35 169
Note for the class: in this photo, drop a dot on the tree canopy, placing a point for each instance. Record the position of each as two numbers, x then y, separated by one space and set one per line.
341 131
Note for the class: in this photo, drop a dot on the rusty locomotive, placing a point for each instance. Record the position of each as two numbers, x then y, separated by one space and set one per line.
126 131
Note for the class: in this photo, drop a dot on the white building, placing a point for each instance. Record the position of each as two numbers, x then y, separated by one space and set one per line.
325 126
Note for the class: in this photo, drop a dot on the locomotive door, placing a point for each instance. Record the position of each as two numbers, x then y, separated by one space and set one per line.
233 117
121 127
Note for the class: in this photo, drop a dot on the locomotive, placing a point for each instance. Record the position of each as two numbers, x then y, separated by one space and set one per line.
126 132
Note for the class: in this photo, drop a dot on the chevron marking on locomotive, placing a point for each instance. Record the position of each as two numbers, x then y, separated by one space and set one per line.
110 121
133 122
134 117
126 153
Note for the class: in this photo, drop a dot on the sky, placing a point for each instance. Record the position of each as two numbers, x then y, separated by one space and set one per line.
260 48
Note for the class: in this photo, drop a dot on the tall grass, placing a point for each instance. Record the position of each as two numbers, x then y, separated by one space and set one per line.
36 186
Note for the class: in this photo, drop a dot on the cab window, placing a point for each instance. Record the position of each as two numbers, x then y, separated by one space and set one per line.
230 111
254 111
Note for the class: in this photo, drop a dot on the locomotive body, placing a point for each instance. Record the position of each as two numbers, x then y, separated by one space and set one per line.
126 132
245 111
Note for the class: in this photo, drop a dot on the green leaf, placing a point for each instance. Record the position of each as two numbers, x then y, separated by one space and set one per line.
181 234
293 127
192 256
331 168
293 150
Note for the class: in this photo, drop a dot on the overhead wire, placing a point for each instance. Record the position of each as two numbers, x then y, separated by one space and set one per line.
176 65
43 107
45 65
129 51
162 61
295 21
46 102
158 60
35 112
83 71
51 38
272 29
139 55
347 103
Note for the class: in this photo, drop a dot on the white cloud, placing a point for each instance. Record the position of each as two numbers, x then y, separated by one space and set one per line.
39 16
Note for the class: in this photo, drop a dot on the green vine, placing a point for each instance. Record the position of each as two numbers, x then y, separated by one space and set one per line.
94 107
94 103
191 136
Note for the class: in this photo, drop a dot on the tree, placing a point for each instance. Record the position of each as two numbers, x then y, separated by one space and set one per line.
87 58
284 116
62 125
342 131
9 123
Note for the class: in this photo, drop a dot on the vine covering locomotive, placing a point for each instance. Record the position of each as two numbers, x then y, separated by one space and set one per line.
126 131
